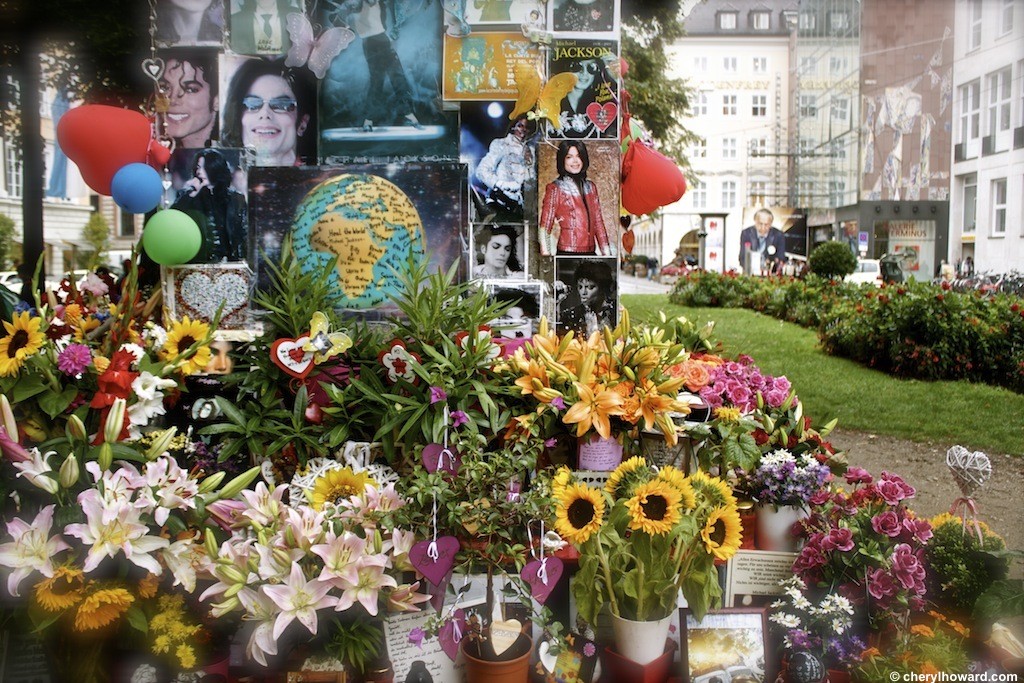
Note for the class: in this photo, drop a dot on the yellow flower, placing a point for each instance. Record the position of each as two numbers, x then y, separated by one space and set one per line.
101 363
60 591
148 586
593 410
161 644
722 532
186 655
533 371
711 490
621 474
653 404
927 668
23 339
675 477
727 414
338 485
180 337
654 507
580 513
562 478
102 608
922 630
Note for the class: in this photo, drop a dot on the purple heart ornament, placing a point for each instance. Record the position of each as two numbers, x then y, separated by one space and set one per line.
438 592
451 633
435 568
531 574
437 457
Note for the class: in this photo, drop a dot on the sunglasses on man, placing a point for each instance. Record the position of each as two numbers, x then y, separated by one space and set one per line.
278 105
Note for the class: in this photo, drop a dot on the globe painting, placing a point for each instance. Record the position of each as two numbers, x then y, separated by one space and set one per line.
369 227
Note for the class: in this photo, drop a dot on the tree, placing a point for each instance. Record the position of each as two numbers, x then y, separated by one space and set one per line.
97 233
832 260
6 240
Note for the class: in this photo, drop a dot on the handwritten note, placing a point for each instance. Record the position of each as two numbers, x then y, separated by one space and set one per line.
403 653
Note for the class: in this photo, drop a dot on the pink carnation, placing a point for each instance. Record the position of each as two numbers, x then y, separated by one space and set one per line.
74 359
887 523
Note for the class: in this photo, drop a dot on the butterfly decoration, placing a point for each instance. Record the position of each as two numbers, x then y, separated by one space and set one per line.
547 100
322 342
315 52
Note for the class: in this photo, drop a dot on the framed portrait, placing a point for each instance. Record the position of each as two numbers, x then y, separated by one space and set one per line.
726 646
527 302
583 16
591 108
369 221
190 23
191 81
380 100
499 252
578 189
586 295
502 159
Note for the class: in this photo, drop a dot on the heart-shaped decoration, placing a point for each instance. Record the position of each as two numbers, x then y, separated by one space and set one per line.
200 294
437 457
504 634
602 115
547 657
970 470
452 631
532 575
437 593
288 355
153 67
434 569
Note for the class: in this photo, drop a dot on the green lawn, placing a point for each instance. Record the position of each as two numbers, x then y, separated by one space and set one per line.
976 416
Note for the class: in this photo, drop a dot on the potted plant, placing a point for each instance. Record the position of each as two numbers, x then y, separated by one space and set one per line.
962 568
930 647
782 485
647 535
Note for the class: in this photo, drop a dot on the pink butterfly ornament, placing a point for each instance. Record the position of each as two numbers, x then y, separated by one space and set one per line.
315 52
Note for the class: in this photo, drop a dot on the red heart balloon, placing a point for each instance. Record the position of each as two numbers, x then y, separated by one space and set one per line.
101 140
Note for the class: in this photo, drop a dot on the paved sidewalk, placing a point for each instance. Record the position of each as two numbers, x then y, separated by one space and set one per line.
635 285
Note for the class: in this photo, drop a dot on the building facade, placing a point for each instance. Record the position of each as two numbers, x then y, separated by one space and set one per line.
987 193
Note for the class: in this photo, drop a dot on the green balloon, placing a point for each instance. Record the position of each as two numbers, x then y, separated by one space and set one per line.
171 237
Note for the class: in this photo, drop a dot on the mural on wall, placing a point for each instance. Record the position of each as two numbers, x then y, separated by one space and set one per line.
893 167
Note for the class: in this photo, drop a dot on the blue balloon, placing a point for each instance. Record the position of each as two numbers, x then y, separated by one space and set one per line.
137 188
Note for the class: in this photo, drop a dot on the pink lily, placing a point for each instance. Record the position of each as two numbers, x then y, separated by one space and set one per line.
32 549
299 599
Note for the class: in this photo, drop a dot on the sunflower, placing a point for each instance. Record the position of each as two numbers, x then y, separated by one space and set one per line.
337 486
654 507
580 513
711 490
624 475
675 477
562 478
102 608
721 534
22 340
183 334
60 591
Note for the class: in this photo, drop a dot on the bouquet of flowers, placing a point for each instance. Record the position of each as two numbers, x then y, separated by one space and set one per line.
646 536
819 624
938 645
782 478
867 545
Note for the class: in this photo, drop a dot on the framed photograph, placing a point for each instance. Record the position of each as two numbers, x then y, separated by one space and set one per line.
726 646
198 290
210 186
502 158
191 80
499 252
586 295
524 315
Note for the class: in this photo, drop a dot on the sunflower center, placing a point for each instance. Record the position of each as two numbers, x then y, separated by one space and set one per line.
580 513
19 340
654 507
186 341
718 534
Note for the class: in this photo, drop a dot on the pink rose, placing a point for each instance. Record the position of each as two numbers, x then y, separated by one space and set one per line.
887 523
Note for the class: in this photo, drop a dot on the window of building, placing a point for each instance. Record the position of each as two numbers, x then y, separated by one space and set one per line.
789 18
970 111
12 170
759 105
807 21
838 22
805 147
999 85
838 149
729 106
127 223
700 63
730 63
759 147
758 193
808 106
838 66
760 65
836 192
841 108
728 21
806 65
970 200
1006 17
805 193
699 195
728 193
700 106
760 21
728 148
974 24
699 150
999 206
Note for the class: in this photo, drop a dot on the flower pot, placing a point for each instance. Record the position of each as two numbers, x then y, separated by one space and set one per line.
640 641
622 670
599 454
774 527
512 667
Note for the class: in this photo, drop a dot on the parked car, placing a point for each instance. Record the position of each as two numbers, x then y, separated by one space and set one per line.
10 279
869 271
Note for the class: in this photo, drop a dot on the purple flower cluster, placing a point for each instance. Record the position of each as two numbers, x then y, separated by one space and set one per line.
784 479
737 383
74 359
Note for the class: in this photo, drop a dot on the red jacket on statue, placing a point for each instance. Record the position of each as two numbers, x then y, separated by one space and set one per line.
564 203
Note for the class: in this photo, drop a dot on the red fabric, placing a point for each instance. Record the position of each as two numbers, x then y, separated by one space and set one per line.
650 180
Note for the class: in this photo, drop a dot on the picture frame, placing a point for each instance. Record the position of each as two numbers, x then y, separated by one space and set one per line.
509 257
521 323
728 645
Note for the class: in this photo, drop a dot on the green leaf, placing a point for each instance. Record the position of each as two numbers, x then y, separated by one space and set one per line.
137 619
230 411
53 404
27 387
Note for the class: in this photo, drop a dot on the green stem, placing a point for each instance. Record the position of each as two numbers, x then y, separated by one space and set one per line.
607 577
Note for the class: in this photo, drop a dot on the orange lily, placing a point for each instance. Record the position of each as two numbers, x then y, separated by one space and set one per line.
593 409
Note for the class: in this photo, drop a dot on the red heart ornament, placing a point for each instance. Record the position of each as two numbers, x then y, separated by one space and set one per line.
451 633
602 115
435 569
437 457
283 353
539 589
